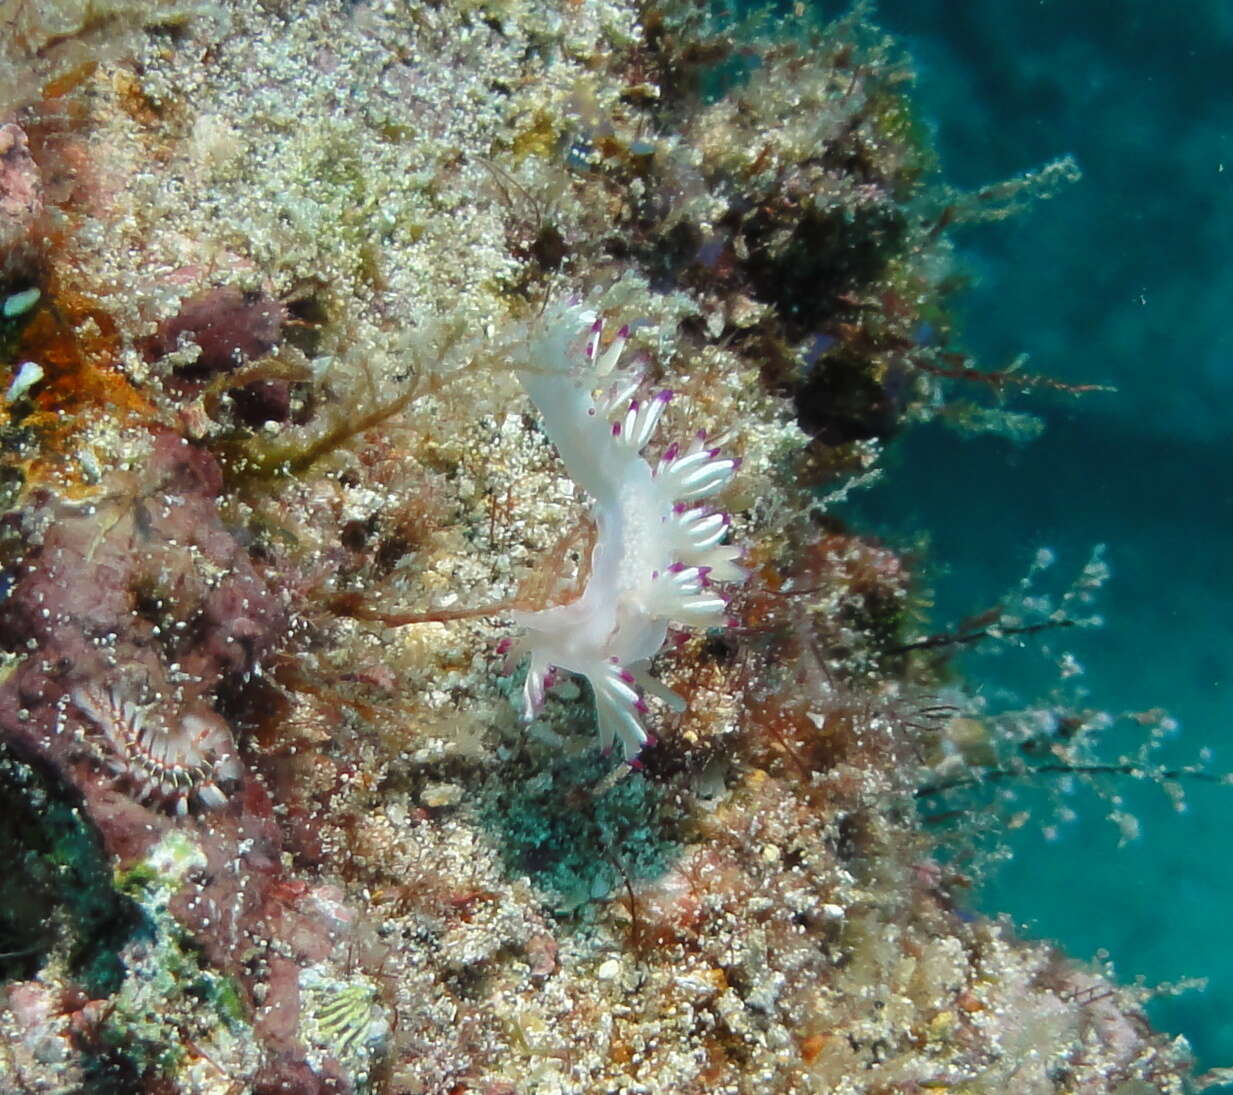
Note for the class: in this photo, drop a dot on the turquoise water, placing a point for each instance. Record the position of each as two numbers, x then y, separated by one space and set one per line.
1124 279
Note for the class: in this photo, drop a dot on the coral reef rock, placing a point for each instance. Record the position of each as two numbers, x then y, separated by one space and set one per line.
272 495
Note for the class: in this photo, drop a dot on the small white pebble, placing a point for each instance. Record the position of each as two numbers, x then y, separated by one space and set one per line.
20 303
441 794
28 375
609 971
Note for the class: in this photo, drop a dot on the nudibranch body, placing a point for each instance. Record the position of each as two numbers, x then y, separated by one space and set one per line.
659 547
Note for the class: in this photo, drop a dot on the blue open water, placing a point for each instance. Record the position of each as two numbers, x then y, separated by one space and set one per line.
1125 279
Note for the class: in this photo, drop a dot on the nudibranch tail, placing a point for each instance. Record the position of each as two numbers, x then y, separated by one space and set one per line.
659 551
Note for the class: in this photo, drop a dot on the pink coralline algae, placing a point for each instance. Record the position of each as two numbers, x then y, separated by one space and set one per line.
229 326
140 607
21 188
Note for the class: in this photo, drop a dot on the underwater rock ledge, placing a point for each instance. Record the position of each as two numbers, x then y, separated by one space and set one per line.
273 497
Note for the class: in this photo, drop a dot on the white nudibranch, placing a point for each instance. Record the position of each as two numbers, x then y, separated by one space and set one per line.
659 548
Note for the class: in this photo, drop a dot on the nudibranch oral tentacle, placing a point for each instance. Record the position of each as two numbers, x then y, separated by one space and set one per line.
659 548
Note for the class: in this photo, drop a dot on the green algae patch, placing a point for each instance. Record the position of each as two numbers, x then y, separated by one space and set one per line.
343 1019
56 895
164 869
581 827
170 1000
